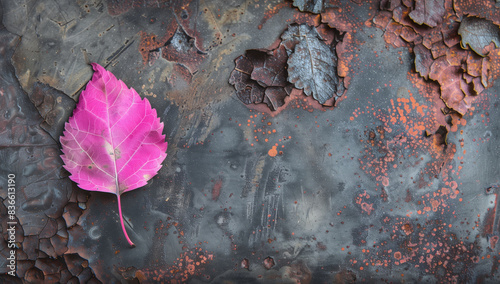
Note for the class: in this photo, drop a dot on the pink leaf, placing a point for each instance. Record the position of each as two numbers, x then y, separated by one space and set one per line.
113 142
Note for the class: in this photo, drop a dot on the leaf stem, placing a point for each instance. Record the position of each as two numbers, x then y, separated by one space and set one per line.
121 221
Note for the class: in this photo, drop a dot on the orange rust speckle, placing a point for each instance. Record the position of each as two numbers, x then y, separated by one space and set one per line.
385 181
367 207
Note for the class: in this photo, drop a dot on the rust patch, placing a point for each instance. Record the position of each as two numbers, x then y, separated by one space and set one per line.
181 48
180 43
216 189
188 264
438 54
429 245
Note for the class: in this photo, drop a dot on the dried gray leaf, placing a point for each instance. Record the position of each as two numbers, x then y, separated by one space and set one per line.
312 65
314 6
478 33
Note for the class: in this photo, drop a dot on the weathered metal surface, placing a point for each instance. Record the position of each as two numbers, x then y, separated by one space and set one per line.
389 184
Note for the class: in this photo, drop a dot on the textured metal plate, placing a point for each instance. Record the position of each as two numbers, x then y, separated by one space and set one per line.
382 187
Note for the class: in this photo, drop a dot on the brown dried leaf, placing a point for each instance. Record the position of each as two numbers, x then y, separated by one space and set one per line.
423 60
449 29
392 35
484 72
467 88
474 64
271 69
341 15
456 56
449 78
400 14
408 34
431 37
260 77
438 49
329 35
247 90
478 85
428 12
468 78
275 97
382 19
313 65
